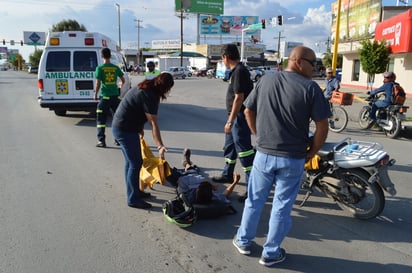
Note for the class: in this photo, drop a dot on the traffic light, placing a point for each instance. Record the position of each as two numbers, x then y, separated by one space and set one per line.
21 42
280 20
263 21
4 41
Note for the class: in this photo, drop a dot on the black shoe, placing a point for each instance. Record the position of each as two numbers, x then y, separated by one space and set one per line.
221 179
145 194
101 144
141 205
116 142
242 198
186 157
271 261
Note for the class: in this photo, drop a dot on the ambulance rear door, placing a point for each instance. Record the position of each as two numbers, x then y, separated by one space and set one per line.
69 78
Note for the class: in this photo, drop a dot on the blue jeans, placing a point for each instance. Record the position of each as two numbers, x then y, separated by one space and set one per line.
268 171
238 144
130 144
378 104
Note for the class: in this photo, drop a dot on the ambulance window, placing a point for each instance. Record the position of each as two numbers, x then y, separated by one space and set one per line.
115 59
84 61
58 61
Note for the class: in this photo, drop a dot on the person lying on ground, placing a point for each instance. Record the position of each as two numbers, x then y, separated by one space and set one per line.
196 188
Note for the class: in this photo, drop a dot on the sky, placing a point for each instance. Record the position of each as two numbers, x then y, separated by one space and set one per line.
306 21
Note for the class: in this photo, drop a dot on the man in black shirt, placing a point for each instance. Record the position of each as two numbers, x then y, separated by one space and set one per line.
237 132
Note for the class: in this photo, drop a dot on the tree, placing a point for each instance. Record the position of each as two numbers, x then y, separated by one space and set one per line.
68 25
374 58
17 61
327 59
34 58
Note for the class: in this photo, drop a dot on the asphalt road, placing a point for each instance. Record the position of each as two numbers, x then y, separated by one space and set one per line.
63 207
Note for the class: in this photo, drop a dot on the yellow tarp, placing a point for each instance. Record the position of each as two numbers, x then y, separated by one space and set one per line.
154 169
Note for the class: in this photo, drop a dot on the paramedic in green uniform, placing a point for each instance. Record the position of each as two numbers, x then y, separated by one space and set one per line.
152 71
106 81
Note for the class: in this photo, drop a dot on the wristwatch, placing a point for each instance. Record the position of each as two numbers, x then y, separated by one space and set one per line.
229 123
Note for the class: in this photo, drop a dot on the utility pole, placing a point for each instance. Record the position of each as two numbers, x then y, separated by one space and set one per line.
279 58
118 24
336 42
138 39
181 33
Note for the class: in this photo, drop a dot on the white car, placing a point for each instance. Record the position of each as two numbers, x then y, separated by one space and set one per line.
266 69
255 74
178 72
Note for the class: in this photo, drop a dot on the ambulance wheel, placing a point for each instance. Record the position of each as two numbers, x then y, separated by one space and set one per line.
60 113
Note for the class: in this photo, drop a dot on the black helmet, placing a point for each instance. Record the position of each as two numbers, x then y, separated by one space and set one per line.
150 63
179 211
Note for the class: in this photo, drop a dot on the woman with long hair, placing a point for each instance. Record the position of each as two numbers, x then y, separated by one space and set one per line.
139 105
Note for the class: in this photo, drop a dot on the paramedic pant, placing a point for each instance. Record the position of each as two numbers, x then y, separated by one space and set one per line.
238 144
104 106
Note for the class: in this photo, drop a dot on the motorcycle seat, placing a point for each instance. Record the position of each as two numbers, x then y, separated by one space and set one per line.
328 148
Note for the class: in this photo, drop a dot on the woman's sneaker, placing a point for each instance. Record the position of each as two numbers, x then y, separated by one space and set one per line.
271 261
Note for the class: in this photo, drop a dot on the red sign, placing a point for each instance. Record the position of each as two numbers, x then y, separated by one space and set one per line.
396 31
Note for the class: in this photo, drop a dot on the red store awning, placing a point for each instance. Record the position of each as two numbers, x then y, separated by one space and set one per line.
397 32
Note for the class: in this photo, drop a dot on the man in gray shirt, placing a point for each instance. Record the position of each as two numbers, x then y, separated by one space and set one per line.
278 112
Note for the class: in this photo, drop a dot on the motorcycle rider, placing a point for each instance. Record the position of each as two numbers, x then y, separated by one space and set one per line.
387 87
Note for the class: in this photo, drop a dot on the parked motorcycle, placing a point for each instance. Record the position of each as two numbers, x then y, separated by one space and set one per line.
389 118
354 174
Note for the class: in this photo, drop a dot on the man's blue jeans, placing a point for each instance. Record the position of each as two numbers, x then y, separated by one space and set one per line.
285 174
378 104
130 144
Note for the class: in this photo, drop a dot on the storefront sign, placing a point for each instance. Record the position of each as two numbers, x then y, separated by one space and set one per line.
397 32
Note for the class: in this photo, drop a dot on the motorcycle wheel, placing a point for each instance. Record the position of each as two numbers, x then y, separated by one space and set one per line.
395 127
364 121
338 120
372 199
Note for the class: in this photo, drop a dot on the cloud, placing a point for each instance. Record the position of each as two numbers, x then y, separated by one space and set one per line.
161 21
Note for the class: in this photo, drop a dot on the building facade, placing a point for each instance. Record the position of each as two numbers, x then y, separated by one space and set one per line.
396 30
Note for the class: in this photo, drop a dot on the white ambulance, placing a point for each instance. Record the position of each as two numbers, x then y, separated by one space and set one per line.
66 70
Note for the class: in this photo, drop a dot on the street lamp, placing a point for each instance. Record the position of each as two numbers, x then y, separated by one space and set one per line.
118 24
138 39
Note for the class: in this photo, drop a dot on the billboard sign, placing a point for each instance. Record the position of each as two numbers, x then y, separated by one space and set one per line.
165 44
228 25
200 6
358 19
397 32
34 37
286 47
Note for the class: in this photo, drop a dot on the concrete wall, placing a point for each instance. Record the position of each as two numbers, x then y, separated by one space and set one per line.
402 68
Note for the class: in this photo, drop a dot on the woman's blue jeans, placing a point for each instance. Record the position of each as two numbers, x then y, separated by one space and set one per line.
130 144
285 174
